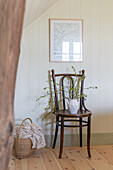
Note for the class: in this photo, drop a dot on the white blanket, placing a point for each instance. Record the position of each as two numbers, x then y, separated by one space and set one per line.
33 132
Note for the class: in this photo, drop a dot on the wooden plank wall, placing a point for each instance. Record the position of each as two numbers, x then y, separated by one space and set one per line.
97 61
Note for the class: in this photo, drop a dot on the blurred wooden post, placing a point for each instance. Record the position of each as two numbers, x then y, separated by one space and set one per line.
11 20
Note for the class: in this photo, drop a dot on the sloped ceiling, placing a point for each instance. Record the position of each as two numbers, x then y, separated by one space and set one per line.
35 8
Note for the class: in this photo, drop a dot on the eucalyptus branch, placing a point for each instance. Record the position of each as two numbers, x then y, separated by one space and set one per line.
72 90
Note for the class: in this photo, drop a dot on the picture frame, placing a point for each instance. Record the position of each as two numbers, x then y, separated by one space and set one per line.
65 40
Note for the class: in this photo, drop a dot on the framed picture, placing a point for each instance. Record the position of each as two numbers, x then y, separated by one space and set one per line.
66 40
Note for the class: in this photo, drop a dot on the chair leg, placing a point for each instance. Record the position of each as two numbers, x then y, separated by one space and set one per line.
61 137
80 132
88 135
56 132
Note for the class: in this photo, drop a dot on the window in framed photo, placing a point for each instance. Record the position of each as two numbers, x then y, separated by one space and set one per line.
66 40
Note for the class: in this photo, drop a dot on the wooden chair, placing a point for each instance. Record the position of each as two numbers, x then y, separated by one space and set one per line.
64 115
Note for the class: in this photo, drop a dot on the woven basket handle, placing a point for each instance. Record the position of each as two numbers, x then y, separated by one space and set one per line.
22 124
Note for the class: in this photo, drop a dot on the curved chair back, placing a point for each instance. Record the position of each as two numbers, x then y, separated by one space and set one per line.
73 80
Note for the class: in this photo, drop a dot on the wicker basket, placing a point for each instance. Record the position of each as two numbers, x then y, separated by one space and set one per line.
22 147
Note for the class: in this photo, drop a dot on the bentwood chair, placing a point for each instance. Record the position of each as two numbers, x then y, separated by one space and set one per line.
83 116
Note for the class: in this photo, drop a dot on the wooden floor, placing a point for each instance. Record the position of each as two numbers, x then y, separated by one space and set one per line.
74 158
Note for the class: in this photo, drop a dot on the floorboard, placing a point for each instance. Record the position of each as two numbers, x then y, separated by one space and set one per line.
73 158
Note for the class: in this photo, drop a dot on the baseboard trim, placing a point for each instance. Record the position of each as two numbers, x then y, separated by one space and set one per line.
73 140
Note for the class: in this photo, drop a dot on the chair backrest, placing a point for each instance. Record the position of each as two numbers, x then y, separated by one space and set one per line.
60 80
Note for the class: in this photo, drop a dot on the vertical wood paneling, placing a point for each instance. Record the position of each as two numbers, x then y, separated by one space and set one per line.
97 61
22 81
76 13
86 13
110 68
75 9
36 77
104 58
95 65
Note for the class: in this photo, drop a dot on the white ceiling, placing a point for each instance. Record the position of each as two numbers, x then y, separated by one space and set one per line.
35 8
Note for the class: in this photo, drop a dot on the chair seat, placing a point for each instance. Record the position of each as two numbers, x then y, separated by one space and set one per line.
80 113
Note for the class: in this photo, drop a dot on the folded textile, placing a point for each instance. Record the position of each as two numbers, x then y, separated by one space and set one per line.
33 132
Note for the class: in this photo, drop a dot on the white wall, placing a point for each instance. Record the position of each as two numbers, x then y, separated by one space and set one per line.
98 60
